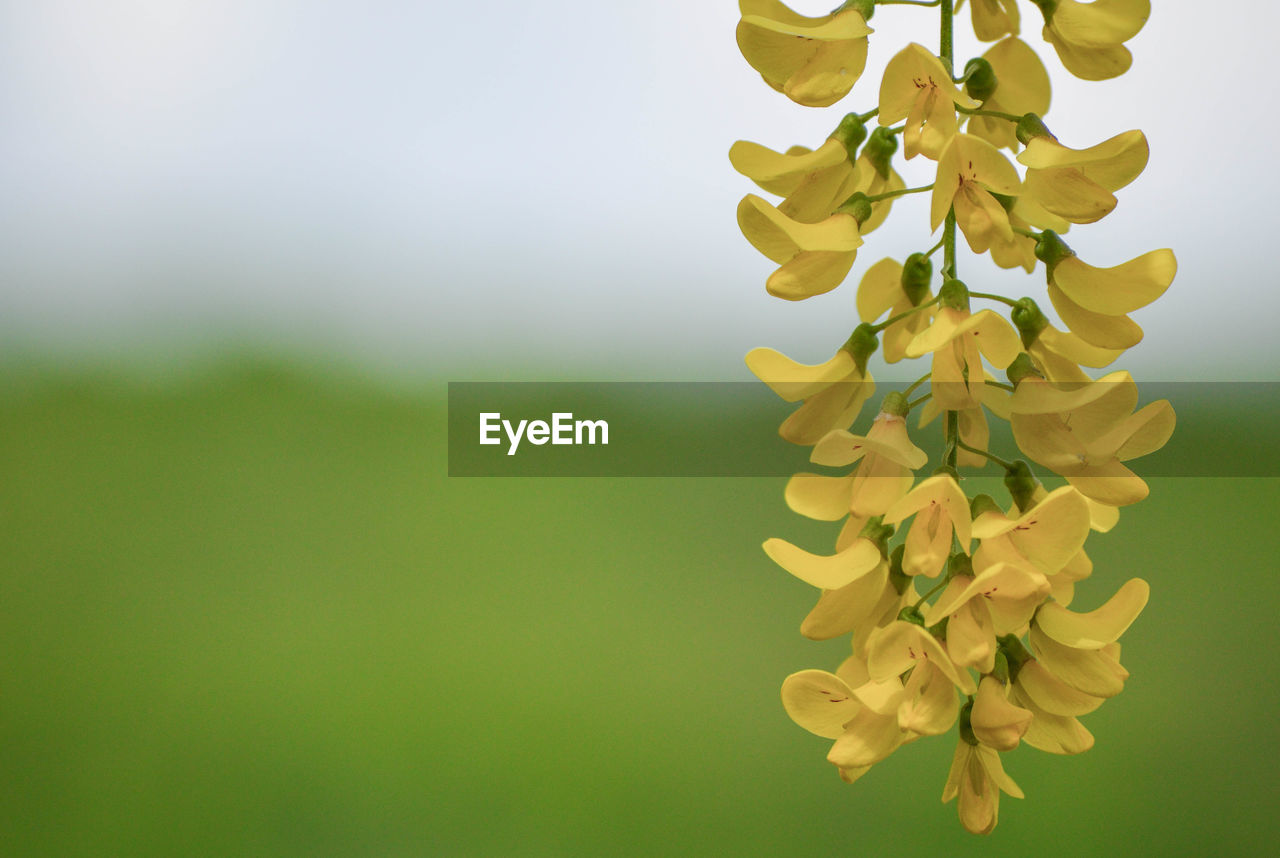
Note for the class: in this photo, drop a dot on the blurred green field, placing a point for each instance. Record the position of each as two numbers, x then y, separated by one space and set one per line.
248 614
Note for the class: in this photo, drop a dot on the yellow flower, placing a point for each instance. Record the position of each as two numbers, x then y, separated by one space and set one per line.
885 456
1090 37
813 258
900 646
958 341
1078 184
813 61
858 607
833 391
994 18
917 88
996 722
1044 538
1081 650
1022 87
782 173
941 510
1094 302
978 777
969 171
971 422
1086 434
890 287
1057 354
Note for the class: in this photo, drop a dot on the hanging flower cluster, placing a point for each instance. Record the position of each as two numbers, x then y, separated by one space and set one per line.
958 606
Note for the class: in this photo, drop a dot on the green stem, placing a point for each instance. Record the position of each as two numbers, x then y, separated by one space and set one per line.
875 198
949 245
1001 462
936 247
916 309
908 2
999 384
948 44
977 111
870 114
990 297
919 381
942 582
913 403
1028 233
953 438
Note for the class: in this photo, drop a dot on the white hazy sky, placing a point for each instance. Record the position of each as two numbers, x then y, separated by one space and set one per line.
541 185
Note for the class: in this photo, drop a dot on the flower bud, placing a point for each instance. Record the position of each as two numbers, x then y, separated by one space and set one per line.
1029 321
917 273
861 344
980 79
954 294
1021 484
966 723
881 146
1029 127
851 132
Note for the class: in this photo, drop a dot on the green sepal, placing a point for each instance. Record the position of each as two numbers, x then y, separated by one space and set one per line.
948 471
895 403
1021 368
876 531
1031 126
939 629
911 615
917 274
983 503
1006 201
966 723
861 345
899 579
954 294
857 205
866 8
879 151
1021 484
980 79
959 564
851 132
1029 321
1001 668
1015 654
1051 249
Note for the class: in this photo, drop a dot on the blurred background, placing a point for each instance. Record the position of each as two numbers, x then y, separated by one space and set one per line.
244 610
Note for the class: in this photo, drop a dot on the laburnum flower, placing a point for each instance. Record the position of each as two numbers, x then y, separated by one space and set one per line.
813 258
1022 86
1015 250
1090 37
885 457
828 705
1057 354
971 422
889 286
1086 434
941 513
1094 302
832 392
996 722
970 170
916 87
994 18
828 571
857 606
1078 185
958 340
978 778
1054 705
813 61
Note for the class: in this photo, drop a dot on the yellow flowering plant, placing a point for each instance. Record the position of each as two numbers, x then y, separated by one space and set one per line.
957 607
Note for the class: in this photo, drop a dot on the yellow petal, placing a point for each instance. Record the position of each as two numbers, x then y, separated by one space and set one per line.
1095 672
1054 734
830 572
834 408
1108 332
996 722
794 381
940 491
1075 349
1110 483
1090 63
1023 84
819 497
1101 516
1097 628
780 173
929 706
1118 290
971 639
1048 534
1070 194
810 273
868 738
819 702
839 612
1100 23
993 18
1112 164
830 72
1052 694
897 647
880 289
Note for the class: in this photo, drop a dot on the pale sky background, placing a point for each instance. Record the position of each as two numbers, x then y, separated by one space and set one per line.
472 189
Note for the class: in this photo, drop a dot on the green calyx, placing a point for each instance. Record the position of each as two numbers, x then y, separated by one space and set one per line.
1021 368
939 629
862 343
1021 484
1029 321
1047 8
895 403
876 531
917 274
1051 249
1006 202
851 132
899 579
959 564
911 615
857 205
1001 668
966 723
954 294
981 504
1015 654
947 470
980 79
866 8
879 151
1031 126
